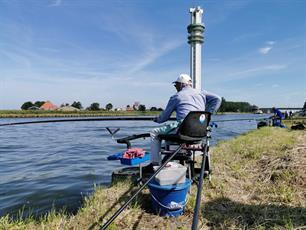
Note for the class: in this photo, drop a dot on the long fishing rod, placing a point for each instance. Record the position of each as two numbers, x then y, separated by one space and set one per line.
116 118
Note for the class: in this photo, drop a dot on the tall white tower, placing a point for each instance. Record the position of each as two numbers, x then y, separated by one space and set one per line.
195 39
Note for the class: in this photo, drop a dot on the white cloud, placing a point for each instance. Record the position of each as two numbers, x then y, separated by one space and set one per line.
265 50
152 55
275 85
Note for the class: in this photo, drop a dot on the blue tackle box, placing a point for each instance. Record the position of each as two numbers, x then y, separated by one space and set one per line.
136 160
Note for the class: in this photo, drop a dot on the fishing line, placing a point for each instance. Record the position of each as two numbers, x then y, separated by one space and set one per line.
117 118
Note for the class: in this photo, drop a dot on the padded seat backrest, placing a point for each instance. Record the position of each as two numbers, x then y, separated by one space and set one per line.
195 124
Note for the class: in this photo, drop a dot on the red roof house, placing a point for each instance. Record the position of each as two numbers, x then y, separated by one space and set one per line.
48 106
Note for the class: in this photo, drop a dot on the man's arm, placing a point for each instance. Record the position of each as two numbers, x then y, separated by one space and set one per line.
165 115
213 102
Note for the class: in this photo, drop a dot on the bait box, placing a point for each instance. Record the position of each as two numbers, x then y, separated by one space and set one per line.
136 160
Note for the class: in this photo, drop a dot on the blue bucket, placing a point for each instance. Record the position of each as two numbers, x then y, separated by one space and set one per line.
169 200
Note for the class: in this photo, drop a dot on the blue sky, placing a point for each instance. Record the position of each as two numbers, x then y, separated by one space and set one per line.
131 50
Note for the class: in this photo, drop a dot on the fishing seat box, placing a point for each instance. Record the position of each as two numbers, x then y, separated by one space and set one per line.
172 174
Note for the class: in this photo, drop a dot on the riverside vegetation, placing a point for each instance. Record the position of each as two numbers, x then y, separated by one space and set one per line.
82 113
258 182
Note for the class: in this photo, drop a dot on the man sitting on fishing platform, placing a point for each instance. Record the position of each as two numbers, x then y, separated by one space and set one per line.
185 100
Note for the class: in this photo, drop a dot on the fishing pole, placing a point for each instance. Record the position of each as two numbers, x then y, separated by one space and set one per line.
117 118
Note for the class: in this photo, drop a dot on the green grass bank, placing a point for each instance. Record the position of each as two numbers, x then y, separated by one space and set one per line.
258 182
82 113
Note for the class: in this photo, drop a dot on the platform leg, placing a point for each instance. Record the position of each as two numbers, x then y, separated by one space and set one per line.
140 171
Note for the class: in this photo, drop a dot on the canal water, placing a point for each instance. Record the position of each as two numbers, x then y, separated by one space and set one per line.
58 164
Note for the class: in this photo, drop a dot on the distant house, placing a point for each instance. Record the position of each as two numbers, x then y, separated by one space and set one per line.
48 106
68 109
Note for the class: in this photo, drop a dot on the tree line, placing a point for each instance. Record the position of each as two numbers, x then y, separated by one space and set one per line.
95 106
231 106
226 106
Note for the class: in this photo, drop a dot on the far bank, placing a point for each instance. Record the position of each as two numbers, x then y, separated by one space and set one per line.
82 113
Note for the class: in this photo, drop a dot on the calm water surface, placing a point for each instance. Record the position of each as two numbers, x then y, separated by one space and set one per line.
57 164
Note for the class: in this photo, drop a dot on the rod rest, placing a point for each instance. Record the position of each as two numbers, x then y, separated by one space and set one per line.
126 140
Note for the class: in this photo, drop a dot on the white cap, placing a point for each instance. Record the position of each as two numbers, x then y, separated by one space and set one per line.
183 78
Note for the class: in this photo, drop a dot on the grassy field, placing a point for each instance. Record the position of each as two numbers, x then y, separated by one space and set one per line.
258 182
82 113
